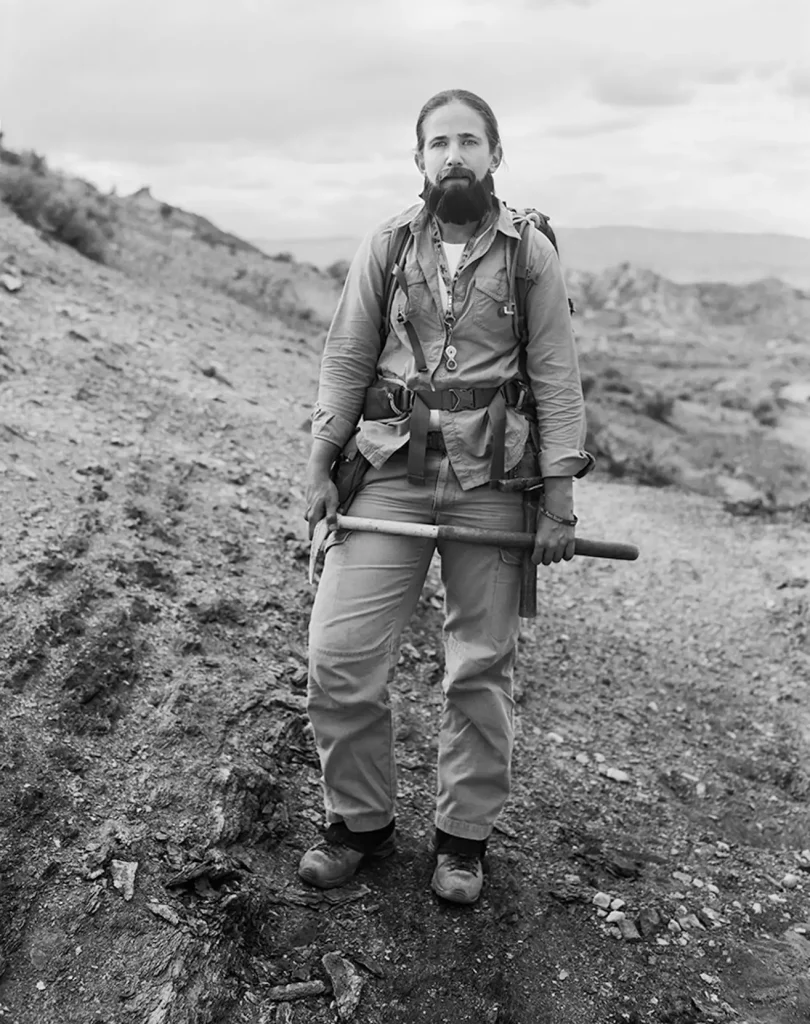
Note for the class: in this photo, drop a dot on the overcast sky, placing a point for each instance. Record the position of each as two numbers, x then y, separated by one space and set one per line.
285 118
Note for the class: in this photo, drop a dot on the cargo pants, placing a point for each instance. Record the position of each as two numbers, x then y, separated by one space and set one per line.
368 590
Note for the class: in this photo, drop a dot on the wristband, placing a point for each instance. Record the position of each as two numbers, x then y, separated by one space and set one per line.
558 519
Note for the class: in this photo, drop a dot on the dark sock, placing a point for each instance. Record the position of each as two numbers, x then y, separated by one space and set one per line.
363 842
445 843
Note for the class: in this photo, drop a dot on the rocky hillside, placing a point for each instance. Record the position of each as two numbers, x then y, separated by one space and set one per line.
625 295
158 780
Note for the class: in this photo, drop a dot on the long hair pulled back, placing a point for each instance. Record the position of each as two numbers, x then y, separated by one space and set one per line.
441 99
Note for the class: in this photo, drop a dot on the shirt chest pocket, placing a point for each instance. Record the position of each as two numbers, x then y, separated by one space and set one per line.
418 306
490 295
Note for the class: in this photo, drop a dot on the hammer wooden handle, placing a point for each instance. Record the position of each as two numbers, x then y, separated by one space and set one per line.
476 535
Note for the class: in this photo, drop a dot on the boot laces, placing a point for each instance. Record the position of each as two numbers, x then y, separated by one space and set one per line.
462 862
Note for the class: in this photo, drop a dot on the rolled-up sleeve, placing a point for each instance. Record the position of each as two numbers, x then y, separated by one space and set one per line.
553 368
352 348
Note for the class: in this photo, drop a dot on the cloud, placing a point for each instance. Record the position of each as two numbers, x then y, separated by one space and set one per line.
798 83
287 117
631 88
578 130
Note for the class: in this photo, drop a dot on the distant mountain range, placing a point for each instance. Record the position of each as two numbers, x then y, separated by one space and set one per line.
682 256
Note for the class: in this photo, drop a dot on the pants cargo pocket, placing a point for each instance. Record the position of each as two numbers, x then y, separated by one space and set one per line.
506 594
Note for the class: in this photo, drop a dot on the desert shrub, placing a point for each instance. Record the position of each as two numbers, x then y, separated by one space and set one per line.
34 162
283 257
658 406
41 201
766 412
652 470
339 270
166 210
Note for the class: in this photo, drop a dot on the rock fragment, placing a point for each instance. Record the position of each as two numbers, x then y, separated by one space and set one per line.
296 990
628 929
164 911
347 984
11 282
123 877
649 922
790 881
601 900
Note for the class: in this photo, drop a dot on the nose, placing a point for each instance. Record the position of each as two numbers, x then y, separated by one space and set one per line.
453 155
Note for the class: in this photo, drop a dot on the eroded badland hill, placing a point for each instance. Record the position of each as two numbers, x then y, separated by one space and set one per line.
157 779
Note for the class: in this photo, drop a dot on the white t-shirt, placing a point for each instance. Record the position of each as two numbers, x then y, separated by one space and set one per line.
452 253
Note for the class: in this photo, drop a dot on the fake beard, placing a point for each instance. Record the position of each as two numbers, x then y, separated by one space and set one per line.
460 204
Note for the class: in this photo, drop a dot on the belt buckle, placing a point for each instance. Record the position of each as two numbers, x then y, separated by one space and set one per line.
456 400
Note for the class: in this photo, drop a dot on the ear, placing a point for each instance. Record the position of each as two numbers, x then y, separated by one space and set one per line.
419 160
497 156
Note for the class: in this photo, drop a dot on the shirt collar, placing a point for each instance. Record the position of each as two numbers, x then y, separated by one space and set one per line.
416 217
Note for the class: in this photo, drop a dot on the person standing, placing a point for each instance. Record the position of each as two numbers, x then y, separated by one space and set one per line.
439 404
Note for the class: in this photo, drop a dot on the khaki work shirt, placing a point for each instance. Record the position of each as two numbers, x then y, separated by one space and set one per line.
354 356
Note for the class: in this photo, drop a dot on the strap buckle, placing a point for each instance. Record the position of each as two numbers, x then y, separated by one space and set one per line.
456 400
404 392
507 309
519 403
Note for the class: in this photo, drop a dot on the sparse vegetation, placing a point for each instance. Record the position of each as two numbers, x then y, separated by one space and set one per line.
43 200
339 270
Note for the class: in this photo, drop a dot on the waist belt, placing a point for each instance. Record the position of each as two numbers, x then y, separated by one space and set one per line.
384 400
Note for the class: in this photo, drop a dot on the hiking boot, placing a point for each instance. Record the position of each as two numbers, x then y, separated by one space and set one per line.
458 877
330 863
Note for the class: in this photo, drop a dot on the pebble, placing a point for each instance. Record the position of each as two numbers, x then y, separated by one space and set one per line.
629 931
602 900
790 881
681 876
722 847
649 921
10 282
615 916
617 904
708 917
582 759
712 889
616 774
554 737
691 921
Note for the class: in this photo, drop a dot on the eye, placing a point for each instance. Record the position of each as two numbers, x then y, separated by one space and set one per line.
437 142
471 142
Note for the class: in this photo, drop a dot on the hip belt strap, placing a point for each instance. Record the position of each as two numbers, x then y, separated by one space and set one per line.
382 401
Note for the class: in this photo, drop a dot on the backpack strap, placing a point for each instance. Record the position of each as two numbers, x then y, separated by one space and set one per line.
400 247
396 275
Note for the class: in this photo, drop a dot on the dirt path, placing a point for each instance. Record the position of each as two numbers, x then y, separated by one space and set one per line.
157 780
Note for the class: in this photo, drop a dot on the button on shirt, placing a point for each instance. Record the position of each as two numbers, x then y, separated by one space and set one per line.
355 356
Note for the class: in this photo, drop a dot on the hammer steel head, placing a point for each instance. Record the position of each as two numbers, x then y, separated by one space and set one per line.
318 540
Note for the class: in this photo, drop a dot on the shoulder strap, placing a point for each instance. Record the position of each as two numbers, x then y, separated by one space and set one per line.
399 246
518 283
